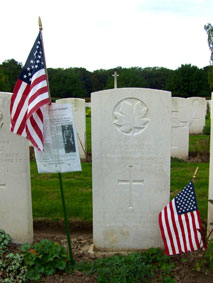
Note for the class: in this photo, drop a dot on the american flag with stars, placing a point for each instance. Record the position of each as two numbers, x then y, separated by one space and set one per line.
180 223
29 95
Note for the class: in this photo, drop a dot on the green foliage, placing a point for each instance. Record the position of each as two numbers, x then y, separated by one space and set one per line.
12 268
65 83
5 240
188 81
44 258
207 128
12 70
134 267
156 77
88 112
4 83
206 261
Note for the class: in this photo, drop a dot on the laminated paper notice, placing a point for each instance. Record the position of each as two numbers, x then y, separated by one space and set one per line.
60 141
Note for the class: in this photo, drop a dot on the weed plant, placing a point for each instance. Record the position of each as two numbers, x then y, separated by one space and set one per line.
135 267
12 268
44 258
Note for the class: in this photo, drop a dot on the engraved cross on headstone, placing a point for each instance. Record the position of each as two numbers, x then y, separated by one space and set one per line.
131 182
115 75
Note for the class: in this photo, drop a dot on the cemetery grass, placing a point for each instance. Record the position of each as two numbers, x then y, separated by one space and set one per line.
46 198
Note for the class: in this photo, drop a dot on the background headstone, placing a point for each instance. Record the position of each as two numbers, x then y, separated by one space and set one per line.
131 143
15 187
210 196
197 108
88 104
80 122
180 128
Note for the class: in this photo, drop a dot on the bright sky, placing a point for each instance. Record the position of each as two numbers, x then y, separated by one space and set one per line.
104 34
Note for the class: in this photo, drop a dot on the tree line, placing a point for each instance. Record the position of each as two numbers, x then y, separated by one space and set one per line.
185 81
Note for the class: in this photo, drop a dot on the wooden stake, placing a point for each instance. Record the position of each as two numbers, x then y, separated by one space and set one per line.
195 174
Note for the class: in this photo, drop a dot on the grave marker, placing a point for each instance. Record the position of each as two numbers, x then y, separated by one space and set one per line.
210 194
180 128
15 188
197 108
131 142
115 75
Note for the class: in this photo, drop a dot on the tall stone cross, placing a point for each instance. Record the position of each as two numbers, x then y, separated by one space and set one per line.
115 75
130 181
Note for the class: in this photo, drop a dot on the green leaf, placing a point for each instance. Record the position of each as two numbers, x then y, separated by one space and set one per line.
34 275
60 264
25 247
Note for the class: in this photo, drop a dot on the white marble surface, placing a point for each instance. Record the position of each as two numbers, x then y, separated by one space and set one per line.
197 108
131 143
180 128
15 187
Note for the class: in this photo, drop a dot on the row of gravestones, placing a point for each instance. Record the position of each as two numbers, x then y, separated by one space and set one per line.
187 117
131 146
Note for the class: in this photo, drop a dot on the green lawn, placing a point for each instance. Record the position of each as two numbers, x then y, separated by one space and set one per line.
77 186
182 173
46 197
199 143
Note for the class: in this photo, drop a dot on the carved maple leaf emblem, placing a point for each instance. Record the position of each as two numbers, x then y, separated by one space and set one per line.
130 118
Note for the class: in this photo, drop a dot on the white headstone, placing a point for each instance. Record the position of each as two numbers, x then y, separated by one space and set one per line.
15 187
197 108
131 142
180 128
210 196
88 104
80 122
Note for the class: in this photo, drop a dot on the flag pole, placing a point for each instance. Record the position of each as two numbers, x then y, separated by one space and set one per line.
59 174
41 28
66 219
195 174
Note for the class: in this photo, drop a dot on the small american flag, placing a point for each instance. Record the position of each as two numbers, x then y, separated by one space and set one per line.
180 223
29 95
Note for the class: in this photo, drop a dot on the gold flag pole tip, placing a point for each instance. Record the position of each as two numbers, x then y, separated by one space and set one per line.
195 174
40 23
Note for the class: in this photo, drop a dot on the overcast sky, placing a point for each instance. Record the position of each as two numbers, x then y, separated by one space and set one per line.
104 34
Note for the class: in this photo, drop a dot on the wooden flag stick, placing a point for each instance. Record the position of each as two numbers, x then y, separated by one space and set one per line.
195 174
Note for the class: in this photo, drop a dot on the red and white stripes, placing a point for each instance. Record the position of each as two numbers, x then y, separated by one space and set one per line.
180 233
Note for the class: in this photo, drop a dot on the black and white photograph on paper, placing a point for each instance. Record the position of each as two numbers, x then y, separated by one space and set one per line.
61 152
68 138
